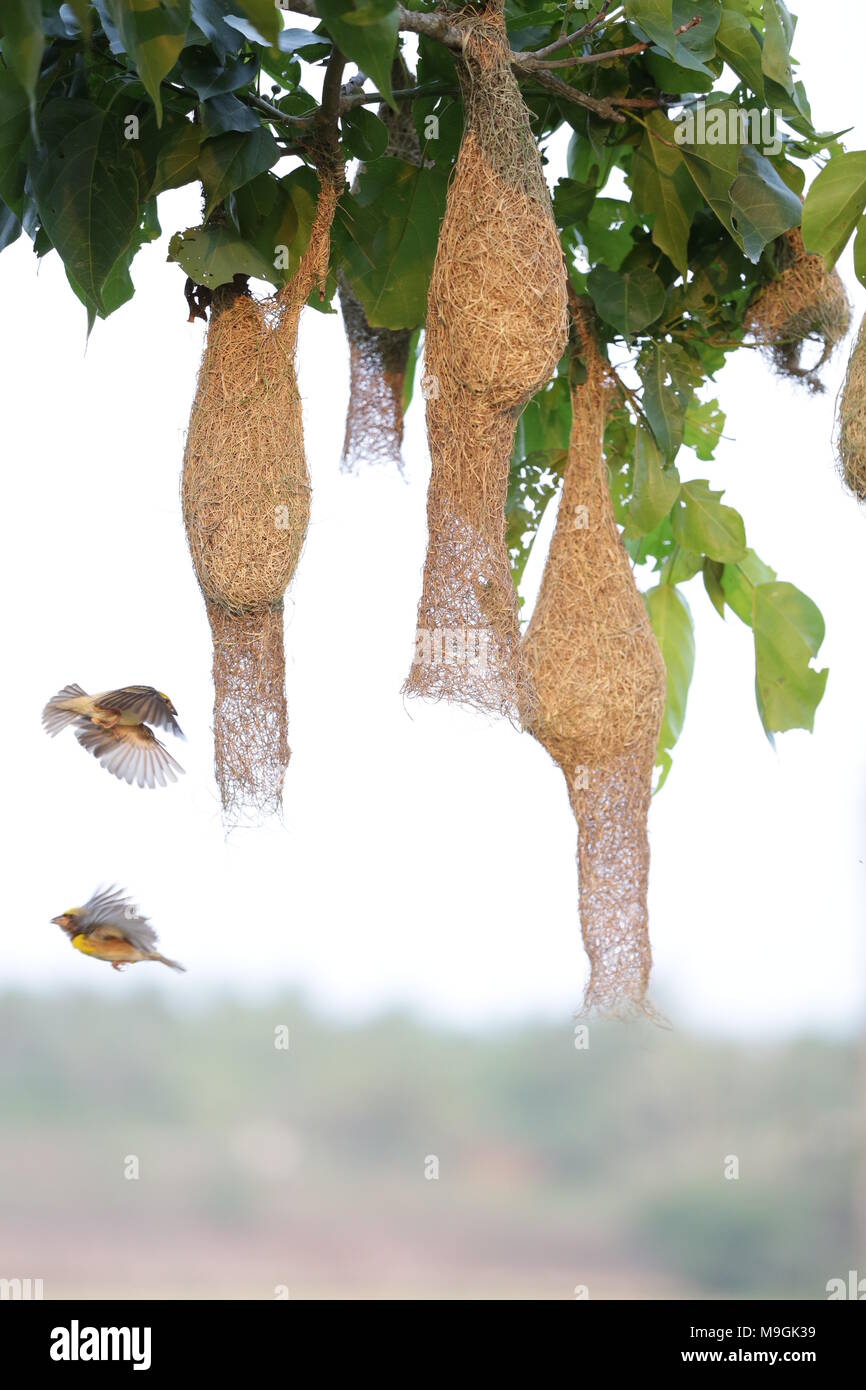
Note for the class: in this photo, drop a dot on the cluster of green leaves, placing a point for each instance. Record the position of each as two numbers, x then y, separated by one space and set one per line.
107 104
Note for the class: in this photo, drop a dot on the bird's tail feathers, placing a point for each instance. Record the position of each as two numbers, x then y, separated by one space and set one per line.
55 716
173 964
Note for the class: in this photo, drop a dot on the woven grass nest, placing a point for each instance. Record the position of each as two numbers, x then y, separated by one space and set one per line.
246 504
804 304
851 421
600 684
496 327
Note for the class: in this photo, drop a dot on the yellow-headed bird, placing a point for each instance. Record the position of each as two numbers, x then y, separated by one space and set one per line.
110 928
113 727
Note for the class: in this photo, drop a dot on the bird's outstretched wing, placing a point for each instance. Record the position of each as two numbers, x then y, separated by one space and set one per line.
151 706
131 753
54 716
105 905
111 916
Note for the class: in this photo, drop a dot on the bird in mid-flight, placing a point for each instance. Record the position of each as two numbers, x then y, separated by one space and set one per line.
113 726
110 928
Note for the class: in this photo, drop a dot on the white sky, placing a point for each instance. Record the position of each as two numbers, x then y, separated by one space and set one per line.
427 854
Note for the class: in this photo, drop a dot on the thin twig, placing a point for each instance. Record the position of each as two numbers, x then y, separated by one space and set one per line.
607 54
566 39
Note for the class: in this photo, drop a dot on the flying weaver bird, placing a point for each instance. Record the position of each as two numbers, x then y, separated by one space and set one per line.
110 928
113 727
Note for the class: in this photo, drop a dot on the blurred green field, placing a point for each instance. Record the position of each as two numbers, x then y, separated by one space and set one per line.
304 1168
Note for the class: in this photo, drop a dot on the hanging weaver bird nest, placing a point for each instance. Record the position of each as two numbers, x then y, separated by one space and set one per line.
378 357
496 327
600 684
246 504
851 425
805 303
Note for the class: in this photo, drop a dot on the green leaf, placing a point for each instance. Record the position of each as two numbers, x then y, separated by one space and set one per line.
10 227
264 15
86 190
714 167
700 522
572 202
224 113
681 565
660 19
275 216
23 42
296 40
153 33
739 581
656 485
788 630
655 18
365 136
712 572
672 624
664 190
367 35
177 161
738 44
214 255
544 426
208 79
230 161
778 36
702 427
387 234
860 252
628 300
118 288
834 205
762 206
694 48
14 136
666 395
82 13
607 231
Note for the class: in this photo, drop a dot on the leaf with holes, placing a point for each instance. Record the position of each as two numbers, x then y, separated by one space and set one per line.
700 522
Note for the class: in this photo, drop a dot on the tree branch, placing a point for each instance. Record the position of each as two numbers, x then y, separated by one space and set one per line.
581 33
606 54
324 130
436 24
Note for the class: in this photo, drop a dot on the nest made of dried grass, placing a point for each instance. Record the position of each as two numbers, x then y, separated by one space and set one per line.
246 504
804 303
496 327
599 680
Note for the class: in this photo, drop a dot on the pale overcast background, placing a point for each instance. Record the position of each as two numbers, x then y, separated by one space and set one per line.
426 856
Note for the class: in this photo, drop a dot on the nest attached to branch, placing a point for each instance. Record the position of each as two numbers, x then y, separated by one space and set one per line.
805 303
246 505
599 678
851 425
496 327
